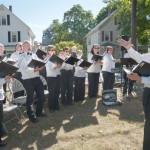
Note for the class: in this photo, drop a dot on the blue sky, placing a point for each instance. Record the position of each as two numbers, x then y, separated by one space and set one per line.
39 14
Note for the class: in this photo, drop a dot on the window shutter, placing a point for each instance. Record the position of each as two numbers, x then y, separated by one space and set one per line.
9 36
111 36
19 38
8 19
102 35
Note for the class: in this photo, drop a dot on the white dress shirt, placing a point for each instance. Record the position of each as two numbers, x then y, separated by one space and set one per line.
2 81
108 63
50 71
66 66
139 58
27 72
79 71
94 68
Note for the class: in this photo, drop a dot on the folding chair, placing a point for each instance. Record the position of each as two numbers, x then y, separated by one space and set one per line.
11 105
18 92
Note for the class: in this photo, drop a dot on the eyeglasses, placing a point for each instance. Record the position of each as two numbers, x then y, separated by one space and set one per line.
51 50
96 47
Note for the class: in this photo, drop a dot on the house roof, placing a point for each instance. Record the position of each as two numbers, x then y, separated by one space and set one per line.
29 29
103 22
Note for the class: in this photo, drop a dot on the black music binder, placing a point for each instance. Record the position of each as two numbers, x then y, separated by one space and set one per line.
56 60
35 63
6 68
128 61
71 60
97 57
41 54
85 63
143 69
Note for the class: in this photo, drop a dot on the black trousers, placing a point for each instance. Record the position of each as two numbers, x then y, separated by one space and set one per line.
109 80
79 89
1 119
54 92
18 76
128 84
93 81
31 85
146 105
67 77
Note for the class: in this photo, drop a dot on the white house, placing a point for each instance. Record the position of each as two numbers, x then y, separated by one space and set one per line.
13 29
105 31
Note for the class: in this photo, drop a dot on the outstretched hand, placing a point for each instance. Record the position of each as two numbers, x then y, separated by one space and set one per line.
126 44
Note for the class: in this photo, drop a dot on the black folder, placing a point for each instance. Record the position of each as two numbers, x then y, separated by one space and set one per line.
97 57
6 68
128 61
40 54
71 60
143 69
34 63
56 60
85 63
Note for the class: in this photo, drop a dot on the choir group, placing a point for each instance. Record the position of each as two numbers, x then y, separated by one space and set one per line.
63 79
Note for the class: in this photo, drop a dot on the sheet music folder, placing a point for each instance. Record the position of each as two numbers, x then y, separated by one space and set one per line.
71 60
128 61
40 54
143 69
35 63
85 63
56 60
97 57
6 68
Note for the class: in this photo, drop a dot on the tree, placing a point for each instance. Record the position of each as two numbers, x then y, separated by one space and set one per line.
79 22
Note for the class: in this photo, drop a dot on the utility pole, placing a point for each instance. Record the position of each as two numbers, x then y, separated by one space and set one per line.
134 24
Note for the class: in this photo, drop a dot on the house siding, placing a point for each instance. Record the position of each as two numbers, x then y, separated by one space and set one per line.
14 24
97 35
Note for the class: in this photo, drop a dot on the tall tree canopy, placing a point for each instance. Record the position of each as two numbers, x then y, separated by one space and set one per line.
79 22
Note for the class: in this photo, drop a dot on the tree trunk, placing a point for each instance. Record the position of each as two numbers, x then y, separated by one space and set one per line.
133 23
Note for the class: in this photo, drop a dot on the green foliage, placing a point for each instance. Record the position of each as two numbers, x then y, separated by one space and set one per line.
79 22
111 7
69 44
124 15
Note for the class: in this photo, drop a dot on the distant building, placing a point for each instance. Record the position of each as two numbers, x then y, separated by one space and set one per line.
104 33
13 29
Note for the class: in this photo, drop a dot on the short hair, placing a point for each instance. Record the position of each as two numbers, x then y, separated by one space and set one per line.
27 41
50 46
108 47
1 45
66 48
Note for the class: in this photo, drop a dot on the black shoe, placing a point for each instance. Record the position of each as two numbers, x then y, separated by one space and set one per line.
2 144
34 120
41 115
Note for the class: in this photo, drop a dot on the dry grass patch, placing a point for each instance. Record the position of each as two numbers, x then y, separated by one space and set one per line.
86 125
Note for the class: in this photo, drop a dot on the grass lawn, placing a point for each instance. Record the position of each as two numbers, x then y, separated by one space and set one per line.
87 125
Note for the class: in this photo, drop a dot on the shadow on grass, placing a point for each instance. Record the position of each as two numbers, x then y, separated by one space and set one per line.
47 132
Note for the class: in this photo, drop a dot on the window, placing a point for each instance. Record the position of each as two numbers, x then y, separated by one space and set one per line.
107 36
116 21
3 20
14 36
